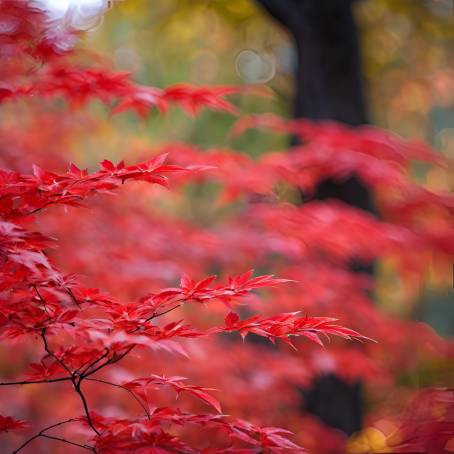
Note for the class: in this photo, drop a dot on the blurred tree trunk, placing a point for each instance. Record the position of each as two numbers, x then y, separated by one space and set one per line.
328 81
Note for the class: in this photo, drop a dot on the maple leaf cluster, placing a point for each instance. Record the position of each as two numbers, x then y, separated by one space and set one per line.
88 286
40 301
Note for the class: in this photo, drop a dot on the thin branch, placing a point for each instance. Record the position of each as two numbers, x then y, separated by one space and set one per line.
147 413
41 433
162 313
36 210
104 364
112 360
85 405
86 372
27 442
120 357
75 383
51 437
74 299
92 363
52 354
33 382
43 301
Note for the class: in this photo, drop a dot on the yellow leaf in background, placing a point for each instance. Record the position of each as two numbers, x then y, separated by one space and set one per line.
368 441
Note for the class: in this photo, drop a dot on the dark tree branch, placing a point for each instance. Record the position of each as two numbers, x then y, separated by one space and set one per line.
112 360
147 413
63 440
76 381
43 301
41 433
77 376
92 363
73 297
34 382
52 354
162 313
85 405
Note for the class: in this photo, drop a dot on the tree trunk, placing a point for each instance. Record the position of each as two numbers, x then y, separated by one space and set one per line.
328 81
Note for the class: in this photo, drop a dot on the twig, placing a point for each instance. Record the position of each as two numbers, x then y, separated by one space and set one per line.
33 382
85 405
147 413
76 383
90 448
162 313
112 360
43 301
74 299
92 363
52 354
41 433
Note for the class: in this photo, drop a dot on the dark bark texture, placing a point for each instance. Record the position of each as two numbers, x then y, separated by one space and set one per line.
329 86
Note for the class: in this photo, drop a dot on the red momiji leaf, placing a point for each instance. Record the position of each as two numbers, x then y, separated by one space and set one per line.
8 423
